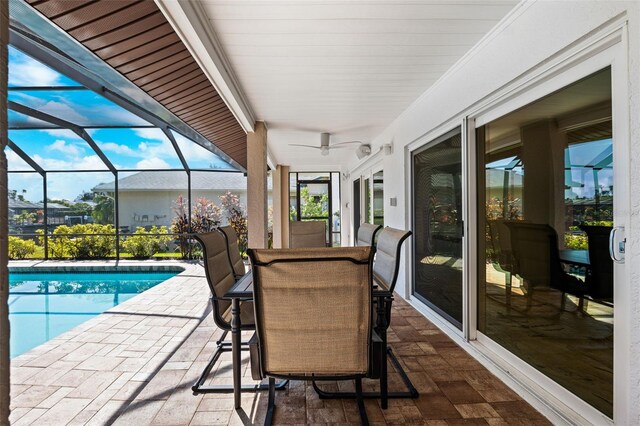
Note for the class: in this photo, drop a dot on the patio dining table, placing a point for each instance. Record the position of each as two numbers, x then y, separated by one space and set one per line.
242 290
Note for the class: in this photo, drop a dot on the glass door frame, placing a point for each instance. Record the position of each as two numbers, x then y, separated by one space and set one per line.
426 141
444 136
330 232
607 51
366 175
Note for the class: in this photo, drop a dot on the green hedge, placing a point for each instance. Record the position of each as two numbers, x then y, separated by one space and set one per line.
143 244
21 249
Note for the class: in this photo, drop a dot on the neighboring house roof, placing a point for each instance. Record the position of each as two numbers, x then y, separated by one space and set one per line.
19 204
167 181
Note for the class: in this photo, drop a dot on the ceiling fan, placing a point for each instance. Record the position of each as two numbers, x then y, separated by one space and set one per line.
325 147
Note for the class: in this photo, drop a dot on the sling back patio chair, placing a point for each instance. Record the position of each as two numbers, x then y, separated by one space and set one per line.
233 250
537 262
599 279
385 276
313 317
367 234
220 278
307 234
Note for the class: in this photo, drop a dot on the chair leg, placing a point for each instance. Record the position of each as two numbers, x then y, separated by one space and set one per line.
221 339
272 402
222 346
360 400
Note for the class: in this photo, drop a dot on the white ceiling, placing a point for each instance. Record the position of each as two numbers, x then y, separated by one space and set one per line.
344 67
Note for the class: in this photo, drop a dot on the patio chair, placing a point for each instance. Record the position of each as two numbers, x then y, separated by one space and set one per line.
599 279
308 234
313 317
220 278
537 262
500 239
233 250
367 234
385 276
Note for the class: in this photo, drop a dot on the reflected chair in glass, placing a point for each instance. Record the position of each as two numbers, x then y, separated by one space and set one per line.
307 234
385 276
233 250
367 234
537 262
220 279
500 239
313 317
599 279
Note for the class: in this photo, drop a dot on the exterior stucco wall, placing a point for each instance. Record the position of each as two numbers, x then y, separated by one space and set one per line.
527 38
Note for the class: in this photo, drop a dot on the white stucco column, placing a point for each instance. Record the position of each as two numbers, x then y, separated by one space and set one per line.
257 186
281 207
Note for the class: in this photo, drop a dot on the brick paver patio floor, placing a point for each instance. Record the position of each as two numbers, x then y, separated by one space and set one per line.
135 364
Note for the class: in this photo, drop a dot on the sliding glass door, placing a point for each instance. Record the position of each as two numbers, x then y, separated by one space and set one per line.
546 209
438 226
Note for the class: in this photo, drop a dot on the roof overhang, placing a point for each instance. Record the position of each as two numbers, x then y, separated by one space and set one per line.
76 41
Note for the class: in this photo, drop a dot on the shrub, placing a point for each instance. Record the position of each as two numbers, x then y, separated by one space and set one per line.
88 241
21 249
143 244
237 218
576 242
205 216
180 225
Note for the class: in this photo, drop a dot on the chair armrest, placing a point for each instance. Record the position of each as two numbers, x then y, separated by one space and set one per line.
254 352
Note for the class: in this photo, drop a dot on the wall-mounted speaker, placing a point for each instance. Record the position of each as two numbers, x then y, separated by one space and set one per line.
363 151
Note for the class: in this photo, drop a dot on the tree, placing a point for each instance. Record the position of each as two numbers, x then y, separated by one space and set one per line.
25 218
311 205
103 209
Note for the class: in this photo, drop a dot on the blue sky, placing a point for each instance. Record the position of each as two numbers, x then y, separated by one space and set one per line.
61 149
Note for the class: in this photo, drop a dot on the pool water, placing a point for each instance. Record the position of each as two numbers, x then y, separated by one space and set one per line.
44 305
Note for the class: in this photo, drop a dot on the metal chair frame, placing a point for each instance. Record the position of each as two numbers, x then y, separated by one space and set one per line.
358 395
383 321
222 345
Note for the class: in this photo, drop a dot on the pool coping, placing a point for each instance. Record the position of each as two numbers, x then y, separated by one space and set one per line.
52 266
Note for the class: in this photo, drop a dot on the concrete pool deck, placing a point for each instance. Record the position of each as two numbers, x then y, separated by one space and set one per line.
135 364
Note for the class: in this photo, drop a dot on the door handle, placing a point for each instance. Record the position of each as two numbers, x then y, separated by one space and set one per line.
621 245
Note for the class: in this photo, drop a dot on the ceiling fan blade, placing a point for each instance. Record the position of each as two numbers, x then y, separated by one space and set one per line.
304 146
338 147
346 143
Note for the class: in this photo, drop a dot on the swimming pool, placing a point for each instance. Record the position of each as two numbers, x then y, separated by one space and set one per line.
43 305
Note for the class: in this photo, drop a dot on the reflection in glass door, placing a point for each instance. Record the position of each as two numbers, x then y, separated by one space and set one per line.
378 198
356 208
438 226
545 203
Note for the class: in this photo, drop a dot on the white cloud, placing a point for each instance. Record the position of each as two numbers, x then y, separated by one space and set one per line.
89 162
64 111
152 163
30 72
151 134
62 133
65 148
118 149
15 162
